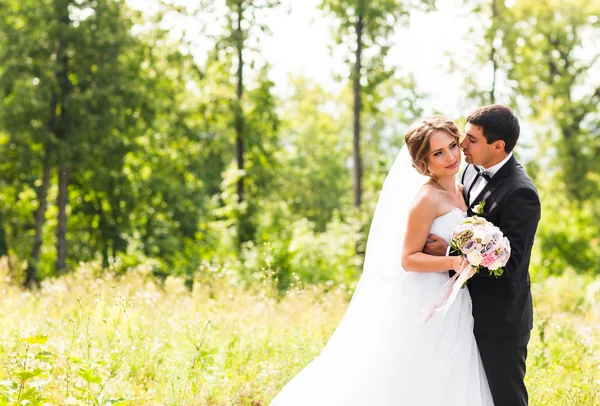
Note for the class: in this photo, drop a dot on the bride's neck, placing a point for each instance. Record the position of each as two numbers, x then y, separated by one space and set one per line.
448 184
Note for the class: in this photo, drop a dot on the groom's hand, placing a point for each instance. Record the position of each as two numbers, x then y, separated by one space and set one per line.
435 245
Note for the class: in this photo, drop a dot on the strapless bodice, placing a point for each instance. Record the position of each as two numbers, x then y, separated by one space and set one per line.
443 225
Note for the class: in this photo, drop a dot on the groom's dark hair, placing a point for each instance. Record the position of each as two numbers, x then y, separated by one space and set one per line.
497 122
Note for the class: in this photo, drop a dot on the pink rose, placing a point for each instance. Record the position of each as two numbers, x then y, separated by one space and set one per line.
488 259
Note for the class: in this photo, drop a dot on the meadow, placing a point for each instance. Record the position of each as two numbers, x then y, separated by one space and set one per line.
91 338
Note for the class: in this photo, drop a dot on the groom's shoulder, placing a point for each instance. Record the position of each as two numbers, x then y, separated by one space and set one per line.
520 178
521 186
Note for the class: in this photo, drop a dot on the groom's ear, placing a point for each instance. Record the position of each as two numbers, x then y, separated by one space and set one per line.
499 145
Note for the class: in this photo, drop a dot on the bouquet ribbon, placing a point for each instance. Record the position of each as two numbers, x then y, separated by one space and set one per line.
449 292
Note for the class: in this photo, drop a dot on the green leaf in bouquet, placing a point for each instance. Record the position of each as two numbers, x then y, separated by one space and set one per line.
496 272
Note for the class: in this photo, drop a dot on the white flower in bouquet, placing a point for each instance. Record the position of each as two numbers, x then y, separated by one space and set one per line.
482 243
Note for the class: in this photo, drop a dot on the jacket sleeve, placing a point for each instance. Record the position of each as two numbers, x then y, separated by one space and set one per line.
518 221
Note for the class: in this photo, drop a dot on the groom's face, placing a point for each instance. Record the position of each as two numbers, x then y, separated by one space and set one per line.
475 147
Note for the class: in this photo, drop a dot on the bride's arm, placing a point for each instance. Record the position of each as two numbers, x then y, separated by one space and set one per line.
420 218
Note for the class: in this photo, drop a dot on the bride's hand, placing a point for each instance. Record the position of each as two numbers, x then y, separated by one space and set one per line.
459 263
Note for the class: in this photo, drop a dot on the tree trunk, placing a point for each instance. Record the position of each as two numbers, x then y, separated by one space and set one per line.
493 53
61 244
62 76
245 229
103 231
105 258
31 275
239 119
3 242
357 169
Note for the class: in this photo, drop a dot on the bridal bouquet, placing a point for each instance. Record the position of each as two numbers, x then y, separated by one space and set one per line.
484 245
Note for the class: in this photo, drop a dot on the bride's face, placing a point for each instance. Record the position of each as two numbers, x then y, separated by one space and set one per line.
444 155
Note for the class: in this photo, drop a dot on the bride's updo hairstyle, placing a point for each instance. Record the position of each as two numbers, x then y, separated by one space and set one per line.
417 139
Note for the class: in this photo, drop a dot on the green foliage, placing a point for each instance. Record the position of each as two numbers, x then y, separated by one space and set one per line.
29 372
380 19
72 101
149 134
317 179
301 255
567 237
328 256
551 64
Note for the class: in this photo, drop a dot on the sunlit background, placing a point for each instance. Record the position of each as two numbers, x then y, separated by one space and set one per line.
186 187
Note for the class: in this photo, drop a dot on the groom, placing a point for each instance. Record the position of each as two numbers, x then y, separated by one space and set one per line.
497 188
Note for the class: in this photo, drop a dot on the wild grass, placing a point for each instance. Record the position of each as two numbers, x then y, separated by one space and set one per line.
91 339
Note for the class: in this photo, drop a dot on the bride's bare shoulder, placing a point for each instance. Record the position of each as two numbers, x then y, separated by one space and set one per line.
461 187
428 197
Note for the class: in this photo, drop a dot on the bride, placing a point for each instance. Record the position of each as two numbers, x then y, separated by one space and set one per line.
382 353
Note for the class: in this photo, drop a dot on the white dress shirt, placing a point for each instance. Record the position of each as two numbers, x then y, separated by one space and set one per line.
480 182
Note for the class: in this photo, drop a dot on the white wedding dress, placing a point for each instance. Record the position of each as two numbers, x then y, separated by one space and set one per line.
382 353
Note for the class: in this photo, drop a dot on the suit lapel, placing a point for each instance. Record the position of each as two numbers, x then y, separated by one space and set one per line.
497 180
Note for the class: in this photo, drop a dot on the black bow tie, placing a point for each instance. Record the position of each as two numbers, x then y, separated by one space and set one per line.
481 173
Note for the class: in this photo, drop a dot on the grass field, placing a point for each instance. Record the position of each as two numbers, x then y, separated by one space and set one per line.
88 340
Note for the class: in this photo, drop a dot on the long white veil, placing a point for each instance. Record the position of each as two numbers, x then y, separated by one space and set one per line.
368 311
386 234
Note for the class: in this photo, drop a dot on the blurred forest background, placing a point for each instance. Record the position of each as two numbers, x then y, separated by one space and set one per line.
196 223
121 145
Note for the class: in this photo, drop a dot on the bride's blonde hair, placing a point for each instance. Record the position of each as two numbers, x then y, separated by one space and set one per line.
417 138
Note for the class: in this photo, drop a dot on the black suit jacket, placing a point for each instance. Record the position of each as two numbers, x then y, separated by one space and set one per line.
502 306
